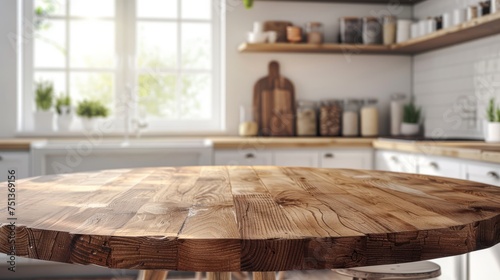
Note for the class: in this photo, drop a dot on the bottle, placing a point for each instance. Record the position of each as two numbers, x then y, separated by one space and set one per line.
397 110
369 118
350 118
307 124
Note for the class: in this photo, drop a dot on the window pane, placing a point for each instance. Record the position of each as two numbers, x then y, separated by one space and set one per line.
196 45
50 7
92 44
50 44
195 101
157 94
92 8
157 45
57 78
157 9
196 9
95 86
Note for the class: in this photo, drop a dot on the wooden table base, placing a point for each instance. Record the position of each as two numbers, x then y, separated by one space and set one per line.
162 275
152 275
218 275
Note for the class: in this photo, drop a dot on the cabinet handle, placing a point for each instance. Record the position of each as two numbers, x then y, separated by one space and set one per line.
329 155
249 155
493 175
395 159
434 165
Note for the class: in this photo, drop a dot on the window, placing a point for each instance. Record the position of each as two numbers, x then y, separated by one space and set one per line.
156 60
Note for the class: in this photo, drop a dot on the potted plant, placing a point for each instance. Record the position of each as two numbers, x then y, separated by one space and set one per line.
411 119
64 113
89 111
44 97
493 126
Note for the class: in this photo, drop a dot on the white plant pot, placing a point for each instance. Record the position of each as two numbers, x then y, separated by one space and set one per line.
492 132
44 121
64 122
89 124
409 129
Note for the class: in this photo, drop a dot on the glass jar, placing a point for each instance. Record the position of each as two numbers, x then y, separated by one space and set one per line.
350 118
314 32
248 127
369 118
389 30
350 30
307 123
330 117
372 31
397 105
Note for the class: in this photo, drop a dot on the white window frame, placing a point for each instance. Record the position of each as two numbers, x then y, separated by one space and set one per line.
125 19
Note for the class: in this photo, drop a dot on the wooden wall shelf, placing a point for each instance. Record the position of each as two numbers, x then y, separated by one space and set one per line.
478 28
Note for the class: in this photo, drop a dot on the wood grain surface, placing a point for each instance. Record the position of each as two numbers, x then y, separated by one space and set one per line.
220 218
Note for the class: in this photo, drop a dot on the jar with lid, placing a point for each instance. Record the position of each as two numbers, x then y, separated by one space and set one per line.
350 117
372 31
314 32
330 117
397 105
248 127
307 123
350 30
369 118
389 29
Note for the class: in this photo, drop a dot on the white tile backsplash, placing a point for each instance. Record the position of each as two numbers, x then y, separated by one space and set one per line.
454 84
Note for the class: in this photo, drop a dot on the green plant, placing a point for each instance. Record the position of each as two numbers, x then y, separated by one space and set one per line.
490 111
248 3
62 101
411 113
44 95
91 109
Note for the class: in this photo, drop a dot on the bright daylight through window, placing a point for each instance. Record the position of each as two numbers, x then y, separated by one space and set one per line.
155 62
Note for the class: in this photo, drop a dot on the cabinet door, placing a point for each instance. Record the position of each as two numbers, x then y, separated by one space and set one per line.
485 263
296 158
395 162
355 159
243 157
20 161
439 166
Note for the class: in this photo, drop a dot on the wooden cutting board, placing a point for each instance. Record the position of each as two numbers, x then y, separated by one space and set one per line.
274 104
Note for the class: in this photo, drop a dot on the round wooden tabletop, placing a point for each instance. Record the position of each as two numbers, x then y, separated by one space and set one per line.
247 218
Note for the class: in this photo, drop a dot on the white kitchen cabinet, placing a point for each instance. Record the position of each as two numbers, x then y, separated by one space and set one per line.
395 161
296 158
19 161
354 159
440 166
484 264
243 157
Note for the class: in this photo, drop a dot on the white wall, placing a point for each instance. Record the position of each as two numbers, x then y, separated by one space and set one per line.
453 84
8 69
315 76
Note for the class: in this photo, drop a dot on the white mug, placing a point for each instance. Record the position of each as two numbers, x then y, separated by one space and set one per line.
458 16
403 30
447 20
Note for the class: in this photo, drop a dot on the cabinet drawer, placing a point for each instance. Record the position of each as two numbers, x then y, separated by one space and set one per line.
346 159
438 166
396 162
20 161
296 158
484 173
243 157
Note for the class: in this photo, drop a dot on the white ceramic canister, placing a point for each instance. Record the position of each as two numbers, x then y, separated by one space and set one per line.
415 30
458 16
403 32
447 20
422 27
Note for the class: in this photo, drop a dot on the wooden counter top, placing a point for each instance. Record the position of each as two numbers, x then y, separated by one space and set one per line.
223 218
290 142
479 150
15 144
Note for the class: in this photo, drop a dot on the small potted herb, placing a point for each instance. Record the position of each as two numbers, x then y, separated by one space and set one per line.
89 111
411 120
492 132
44 98
64 112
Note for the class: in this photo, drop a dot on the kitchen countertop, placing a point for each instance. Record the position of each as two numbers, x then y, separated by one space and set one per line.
472 150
